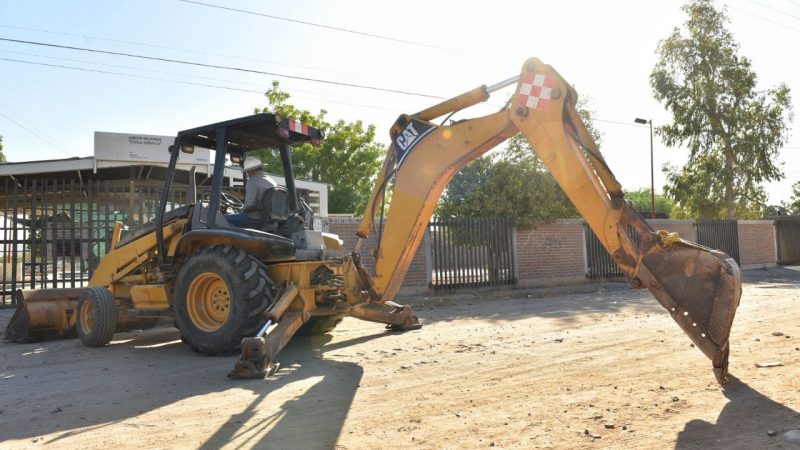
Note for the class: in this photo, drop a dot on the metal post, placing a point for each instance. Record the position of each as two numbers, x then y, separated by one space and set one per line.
175 150
652 177
219 173
192 186
288 176
652 171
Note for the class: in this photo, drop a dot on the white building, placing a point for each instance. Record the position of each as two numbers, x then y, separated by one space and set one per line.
142 158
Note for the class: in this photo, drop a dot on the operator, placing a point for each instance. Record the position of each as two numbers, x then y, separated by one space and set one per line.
258 183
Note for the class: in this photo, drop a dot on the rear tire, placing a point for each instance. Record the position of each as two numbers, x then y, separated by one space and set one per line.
318 325
97 317
220 296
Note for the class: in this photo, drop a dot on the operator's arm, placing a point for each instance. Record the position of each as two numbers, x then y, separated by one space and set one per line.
251 196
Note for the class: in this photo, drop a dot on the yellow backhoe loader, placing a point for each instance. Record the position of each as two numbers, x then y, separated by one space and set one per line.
230 288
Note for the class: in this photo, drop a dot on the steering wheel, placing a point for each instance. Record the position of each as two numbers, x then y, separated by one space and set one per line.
225 201
230 201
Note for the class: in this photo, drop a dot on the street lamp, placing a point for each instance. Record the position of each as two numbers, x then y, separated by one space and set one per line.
652 176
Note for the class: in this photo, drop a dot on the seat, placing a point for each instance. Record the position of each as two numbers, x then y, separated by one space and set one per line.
274 208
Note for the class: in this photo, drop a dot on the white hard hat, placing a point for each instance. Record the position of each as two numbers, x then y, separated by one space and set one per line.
252 163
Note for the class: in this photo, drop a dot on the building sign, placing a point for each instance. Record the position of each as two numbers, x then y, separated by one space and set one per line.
142 148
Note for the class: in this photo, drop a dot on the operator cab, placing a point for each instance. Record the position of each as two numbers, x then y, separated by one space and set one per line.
282 210
287 221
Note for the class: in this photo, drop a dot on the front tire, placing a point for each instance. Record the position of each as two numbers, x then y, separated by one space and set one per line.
97 317
220 296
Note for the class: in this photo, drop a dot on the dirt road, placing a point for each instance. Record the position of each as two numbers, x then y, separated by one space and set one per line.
601 368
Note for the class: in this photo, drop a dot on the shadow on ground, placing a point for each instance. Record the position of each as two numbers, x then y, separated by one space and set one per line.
567 304
45 392
312 420
774 277
144 371
743 422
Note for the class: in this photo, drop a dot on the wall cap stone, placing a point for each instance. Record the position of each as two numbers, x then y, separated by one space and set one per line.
568 222
756 222
669 221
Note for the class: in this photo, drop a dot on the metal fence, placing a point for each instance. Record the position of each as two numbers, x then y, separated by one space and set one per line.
719 235
599 263
787 234
53 233
472 252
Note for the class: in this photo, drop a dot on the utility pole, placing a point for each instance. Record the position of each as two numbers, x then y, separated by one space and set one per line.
652 172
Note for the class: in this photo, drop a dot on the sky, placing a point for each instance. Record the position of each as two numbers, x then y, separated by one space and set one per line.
432 49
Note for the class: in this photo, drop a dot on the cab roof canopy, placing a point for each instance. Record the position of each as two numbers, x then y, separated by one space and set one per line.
252 132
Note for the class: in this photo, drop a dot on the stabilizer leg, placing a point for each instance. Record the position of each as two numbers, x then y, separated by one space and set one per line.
259 353
400 318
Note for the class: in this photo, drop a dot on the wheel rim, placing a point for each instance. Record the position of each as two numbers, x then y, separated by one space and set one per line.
208 302
87 317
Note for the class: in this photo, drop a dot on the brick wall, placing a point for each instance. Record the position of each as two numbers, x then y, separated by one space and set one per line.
757 243
417 276
555 253
552 253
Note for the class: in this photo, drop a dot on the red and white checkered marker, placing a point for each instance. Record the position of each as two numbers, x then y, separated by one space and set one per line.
298 127
535 90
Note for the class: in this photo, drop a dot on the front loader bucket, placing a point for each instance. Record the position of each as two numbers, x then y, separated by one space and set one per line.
701 289
43 314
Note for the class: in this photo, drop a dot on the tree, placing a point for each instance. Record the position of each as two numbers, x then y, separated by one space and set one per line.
505 186
2 155
347 160
733 131
642 202
513 183
794 203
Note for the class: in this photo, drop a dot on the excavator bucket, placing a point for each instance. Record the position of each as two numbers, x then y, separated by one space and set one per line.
43 314
700 288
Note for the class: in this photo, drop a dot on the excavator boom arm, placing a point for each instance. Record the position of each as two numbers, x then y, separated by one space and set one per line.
699 287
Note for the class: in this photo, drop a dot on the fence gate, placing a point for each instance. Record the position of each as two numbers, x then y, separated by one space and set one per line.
472 252
787 233
599 263
719 235
53 233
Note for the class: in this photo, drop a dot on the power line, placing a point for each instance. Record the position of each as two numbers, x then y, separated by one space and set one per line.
329 27
131 68
261 85
214 66
209 78
106 72
163 47
763 18
216 86
84 69
780 11
42 138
